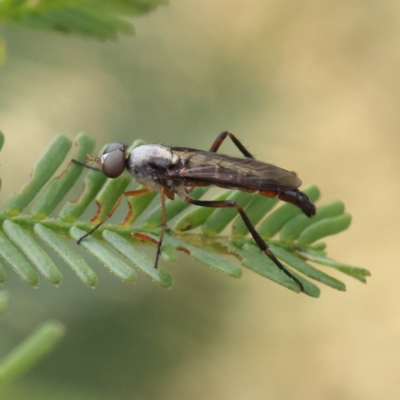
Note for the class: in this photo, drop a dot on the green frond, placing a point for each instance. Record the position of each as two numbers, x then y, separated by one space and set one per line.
101 19
4 302
29 219
31 350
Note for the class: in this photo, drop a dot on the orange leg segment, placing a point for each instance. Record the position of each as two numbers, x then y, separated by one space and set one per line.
109 215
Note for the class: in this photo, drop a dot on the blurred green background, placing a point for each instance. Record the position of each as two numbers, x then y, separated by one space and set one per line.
312 86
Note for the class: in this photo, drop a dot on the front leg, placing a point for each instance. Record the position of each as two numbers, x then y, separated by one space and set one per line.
109 215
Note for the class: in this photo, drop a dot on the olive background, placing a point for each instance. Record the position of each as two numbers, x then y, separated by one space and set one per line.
312 86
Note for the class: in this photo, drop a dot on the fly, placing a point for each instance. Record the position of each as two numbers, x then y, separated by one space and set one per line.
178 170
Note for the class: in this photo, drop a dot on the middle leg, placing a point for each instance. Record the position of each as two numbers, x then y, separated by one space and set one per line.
163 226
222 136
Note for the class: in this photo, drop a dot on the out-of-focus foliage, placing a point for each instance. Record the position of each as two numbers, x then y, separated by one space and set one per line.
31 350
101 19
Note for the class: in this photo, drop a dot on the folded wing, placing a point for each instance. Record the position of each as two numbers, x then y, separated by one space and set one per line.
207 168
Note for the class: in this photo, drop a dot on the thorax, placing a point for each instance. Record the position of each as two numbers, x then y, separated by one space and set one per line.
149 162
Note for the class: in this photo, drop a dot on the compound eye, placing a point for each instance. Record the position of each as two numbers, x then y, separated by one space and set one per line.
113 163
115 146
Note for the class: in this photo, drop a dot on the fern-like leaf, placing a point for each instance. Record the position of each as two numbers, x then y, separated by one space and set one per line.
101 19
32 349
291 236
